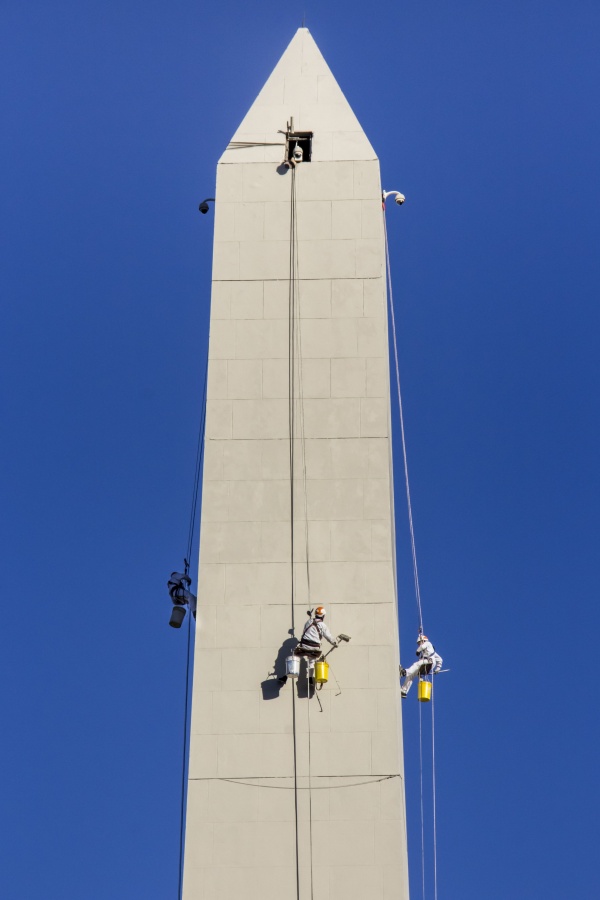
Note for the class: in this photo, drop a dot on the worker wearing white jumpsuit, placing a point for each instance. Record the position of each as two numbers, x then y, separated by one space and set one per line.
429 661
310 642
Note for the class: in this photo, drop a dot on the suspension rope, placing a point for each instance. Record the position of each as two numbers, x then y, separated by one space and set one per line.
297 407
417 590
422 810
197 475
184 760
291 384
190 543
435 890
404 455
310 790
291 376
300 406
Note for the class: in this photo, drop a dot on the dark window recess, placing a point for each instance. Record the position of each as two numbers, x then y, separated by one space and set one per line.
299 140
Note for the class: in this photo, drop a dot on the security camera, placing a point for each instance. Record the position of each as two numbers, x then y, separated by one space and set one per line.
204 205
400 198
298 154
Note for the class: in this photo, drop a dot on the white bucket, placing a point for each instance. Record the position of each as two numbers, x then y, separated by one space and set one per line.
292 666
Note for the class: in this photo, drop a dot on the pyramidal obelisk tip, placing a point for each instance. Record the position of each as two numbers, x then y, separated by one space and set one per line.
301 87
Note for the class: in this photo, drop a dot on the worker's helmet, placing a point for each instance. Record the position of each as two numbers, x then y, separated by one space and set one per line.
320 612
422 637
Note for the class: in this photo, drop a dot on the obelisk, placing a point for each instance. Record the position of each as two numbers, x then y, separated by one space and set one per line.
297 793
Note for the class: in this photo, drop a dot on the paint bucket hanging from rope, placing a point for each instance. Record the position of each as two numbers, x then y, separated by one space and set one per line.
177 616
425 687
292 666
321 672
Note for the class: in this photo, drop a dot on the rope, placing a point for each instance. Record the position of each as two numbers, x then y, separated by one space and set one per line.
291 386
395 342
417 590
295 788
300 405
296 357
435 891
422 812
190 543
302 429
417 593
184 760
197 473
310 822
242 145
246 781
291 373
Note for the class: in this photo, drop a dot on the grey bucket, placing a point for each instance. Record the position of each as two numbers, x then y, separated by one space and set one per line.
292 666
177 616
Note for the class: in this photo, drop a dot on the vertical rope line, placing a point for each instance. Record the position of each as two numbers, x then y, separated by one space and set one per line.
435 891
291 376
310 821
395 342
300 406
422 811
198 468
296 794
184 761
191 530
302 429
291 385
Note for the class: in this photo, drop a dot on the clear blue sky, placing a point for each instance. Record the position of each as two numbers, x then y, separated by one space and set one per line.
114 115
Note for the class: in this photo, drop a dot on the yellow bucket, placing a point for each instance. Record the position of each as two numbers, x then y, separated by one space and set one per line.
424 694
321 672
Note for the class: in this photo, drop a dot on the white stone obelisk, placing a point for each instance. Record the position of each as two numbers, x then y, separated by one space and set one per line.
294 795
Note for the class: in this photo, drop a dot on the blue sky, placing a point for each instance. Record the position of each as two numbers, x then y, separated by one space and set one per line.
485 116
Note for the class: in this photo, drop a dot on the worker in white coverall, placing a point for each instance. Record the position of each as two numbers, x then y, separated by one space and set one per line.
309 645
178 585
428 661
